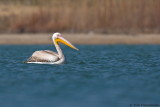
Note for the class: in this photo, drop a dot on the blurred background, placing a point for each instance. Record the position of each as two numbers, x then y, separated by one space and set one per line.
102 16
117 75
80 16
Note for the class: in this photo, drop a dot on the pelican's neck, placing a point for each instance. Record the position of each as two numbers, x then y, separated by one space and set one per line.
60 54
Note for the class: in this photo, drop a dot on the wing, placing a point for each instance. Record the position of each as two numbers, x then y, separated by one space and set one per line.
43 56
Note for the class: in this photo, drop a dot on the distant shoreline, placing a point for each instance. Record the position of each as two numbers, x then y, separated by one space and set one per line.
18 39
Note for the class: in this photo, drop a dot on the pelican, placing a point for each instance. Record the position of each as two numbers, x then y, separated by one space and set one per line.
50 57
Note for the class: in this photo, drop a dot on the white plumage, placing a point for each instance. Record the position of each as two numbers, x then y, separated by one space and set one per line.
50 57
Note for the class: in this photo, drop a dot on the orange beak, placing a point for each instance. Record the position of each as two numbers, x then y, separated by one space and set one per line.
66 42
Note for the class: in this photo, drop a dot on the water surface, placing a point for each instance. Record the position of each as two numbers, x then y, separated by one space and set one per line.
95 76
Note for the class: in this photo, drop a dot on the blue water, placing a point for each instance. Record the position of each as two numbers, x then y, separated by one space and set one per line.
95 76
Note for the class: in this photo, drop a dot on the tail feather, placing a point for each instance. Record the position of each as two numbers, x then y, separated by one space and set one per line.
29 60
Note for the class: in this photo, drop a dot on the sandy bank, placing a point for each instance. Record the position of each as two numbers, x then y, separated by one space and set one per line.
81 39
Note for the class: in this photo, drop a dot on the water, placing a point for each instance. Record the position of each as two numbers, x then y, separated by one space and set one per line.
95 76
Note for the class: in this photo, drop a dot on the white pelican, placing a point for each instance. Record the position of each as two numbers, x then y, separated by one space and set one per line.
50 57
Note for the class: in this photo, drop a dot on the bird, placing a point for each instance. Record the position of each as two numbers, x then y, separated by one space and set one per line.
50 57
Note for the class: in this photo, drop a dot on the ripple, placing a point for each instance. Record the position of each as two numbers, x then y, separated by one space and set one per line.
122 72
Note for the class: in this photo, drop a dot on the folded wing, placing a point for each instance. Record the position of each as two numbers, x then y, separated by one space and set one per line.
43 56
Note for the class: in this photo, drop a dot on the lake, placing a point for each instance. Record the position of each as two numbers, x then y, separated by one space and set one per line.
95 76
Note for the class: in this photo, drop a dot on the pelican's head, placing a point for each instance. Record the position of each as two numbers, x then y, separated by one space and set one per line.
58 38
